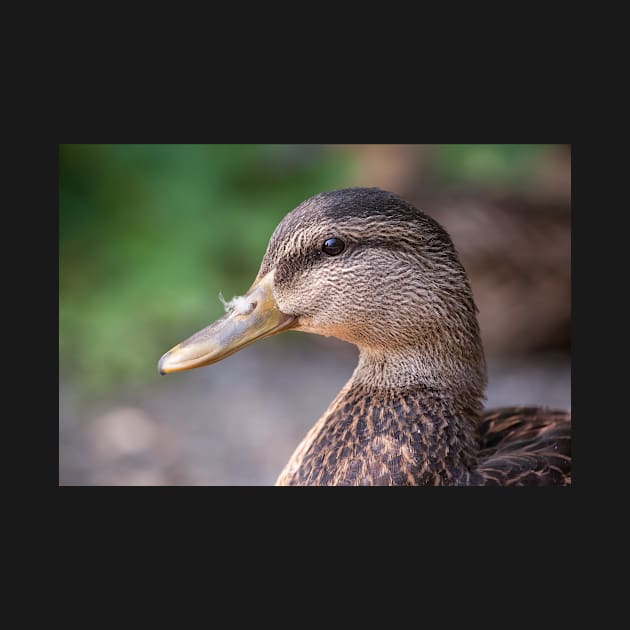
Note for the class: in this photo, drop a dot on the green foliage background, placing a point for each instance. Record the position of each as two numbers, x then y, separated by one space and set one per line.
149 234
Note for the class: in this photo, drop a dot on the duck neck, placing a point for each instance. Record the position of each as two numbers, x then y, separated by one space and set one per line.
395 422
435 408
390 426
459 383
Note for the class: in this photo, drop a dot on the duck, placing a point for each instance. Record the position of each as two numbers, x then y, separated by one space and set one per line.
366 266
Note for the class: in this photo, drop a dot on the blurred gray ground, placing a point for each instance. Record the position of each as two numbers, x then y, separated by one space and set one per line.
205 427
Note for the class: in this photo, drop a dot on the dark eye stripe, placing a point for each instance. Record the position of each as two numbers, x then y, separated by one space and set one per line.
333 246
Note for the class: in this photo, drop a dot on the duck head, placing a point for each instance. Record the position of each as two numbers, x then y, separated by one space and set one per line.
365 266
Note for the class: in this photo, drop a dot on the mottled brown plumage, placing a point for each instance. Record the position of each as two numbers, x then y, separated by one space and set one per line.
398 438
412 412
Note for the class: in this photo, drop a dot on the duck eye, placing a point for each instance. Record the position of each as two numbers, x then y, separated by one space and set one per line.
333 246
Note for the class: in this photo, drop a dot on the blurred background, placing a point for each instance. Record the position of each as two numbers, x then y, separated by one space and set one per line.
149 235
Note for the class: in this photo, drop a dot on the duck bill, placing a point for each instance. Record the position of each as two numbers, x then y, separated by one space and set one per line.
257 317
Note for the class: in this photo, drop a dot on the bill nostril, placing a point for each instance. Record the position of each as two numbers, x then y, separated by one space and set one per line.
243 306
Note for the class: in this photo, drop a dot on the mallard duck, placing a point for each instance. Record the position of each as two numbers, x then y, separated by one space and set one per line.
363 265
